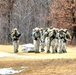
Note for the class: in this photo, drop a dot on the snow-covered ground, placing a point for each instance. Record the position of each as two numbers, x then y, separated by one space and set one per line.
6 71
5 54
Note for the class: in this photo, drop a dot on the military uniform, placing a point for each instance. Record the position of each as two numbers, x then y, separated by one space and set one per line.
42 41
15 39
47 41
36 39
54 40
67 38
62 42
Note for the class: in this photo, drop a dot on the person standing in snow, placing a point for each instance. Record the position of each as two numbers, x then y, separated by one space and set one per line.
15 39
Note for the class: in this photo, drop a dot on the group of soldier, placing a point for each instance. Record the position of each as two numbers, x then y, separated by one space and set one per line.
43 38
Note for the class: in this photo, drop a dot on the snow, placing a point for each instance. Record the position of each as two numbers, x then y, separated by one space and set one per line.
4 54
6 71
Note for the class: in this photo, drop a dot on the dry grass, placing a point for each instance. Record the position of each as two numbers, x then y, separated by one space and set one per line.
41 66
71 53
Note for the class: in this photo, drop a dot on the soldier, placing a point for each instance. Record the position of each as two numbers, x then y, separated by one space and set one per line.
68 35
67 38
64 37
62 41
54 39
42 41
36 39
47 41
15 39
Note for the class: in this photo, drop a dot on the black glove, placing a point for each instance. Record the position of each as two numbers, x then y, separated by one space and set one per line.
18 35
35 38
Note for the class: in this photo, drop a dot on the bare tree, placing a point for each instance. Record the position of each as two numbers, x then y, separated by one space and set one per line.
28 14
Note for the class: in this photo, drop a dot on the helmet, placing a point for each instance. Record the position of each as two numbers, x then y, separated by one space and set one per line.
36 29
41 28
65 30
15 29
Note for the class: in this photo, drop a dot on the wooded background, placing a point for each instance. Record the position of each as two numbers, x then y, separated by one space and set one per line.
28 14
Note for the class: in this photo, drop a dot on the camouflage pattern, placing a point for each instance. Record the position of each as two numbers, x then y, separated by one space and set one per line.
16 45
15 39
42 41
47 41
54 40
57 38
36 39
62 41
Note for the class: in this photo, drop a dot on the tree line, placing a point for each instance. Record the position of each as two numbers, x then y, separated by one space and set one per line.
28 14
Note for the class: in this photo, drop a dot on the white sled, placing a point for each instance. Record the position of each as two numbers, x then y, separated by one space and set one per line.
28 48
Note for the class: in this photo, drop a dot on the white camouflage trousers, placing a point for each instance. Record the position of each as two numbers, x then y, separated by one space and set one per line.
54 44
47 45
62 46
36 45
16 45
